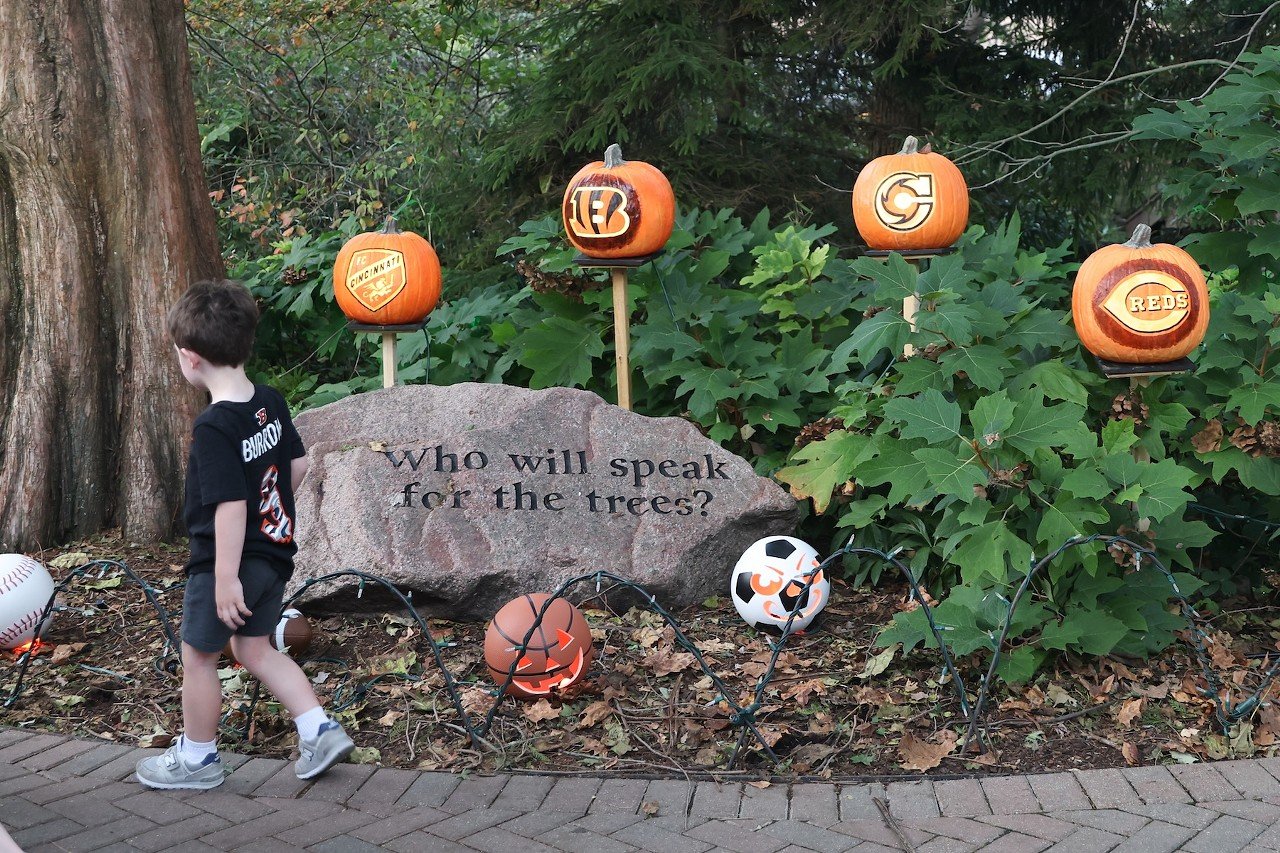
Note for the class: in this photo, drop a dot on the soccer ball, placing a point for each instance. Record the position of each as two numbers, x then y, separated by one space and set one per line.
25 590
768 579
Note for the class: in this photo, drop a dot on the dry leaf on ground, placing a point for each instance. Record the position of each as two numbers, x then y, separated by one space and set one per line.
924 755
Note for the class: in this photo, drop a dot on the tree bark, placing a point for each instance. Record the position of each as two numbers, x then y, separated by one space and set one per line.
104 219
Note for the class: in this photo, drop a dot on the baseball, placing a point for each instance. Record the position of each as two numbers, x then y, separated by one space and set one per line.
25 590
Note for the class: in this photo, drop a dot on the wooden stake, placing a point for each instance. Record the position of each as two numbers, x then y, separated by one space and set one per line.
621 335
910 308
1140 453
388 359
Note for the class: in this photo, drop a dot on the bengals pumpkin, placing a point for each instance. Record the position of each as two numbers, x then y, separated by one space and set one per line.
910 200
557 655
1137 303
614 208
387 278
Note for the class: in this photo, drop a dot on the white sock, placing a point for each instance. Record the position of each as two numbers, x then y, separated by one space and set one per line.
309 723
195 751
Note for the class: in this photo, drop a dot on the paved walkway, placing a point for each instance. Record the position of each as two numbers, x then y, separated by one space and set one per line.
64 793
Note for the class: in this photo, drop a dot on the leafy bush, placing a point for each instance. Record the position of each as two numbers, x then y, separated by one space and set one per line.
999 441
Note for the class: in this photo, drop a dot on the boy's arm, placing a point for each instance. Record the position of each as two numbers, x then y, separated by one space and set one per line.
297 471
229 522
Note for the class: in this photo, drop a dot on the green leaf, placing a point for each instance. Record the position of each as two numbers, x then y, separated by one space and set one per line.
886 330
897 465
930 416
1261 193
952 475
1086 482
559 352
895 278
989 551
1253 400
1036 425
990 418
1099 631
824 465
984 364
1017 666
1057 381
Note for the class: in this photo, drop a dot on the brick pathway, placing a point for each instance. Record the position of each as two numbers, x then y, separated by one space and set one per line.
63 793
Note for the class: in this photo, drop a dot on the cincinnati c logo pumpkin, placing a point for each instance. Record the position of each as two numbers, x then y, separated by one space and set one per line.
614 208
1136 303
910 200
904 200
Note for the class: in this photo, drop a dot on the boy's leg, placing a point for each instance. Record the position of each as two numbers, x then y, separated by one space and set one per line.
201 694
321 741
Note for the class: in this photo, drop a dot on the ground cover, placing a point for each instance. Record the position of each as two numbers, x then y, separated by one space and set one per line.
837 706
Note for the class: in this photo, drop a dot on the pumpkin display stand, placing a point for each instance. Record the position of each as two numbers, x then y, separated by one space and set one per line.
1118 370
911 304
389 344
618 271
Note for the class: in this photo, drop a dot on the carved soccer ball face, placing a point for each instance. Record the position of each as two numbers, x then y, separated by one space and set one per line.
768 584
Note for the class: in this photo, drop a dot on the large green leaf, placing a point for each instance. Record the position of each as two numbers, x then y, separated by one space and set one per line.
1036 425
826 464
952 475
930 416
559 352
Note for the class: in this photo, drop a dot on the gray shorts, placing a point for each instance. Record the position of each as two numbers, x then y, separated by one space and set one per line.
263 594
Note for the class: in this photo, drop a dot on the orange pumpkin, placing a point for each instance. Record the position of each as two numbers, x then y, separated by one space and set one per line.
910 200
387 278
614 208
1137 303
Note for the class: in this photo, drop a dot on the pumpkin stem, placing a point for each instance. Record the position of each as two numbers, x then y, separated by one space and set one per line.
910 145
1141 238
390 227
613 156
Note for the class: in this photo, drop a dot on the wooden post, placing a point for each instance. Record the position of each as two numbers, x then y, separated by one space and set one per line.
621 336
910 308
388 359
1140 453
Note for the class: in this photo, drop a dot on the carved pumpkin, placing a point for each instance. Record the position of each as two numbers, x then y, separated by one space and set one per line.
618 209
910 200
1137 303
387 278
557 655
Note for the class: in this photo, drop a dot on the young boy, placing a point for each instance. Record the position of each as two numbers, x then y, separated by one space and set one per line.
246 460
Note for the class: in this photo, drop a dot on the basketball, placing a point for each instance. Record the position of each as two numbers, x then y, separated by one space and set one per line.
25 590
558 652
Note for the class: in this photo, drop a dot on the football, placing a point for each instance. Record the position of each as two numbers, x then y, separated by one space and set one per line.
292 634
768 582
25 590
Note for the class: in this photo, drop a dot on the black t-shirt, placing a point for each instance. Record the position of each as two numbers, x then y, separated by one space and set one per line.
244 452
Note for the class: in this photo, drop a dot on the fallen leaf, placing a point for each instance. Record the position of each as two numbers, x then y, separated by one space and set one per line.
649 808
879 663
377 446
665 662
1130 753
540 711
70 560
64 651
594 713
366 755
924 755
760 784
805 690
1130 710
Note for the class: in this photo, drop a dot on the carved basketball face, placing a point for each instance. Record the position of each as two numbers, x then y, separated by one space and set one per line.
556 656
768 584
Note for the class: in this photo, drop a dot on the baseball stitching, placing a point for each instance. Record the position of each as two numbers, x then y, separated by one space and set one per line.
16 576
20 627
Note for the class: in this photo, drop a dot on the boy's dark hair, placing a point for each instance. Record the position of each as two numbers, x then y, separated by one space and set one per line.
216 320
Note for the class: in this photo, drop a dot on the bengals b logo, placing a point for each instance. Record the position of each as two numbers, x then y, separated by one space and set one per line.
598 212
904 200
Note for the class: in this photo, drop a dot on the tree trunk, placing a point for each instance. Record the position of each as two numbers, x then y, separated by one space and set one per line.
104 219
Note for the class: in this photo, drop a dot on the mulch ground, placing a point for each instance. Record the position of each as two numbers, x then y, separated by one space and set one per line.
837 706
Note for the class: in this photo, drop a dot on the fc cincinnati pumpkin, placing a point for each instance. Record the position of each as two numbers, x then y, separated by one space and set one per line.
910 200
557 655
387 278
1137 303
614 208
768 584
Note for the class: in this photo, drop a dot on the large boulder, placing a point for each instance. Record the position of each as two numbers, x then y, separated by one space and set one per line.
471 494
